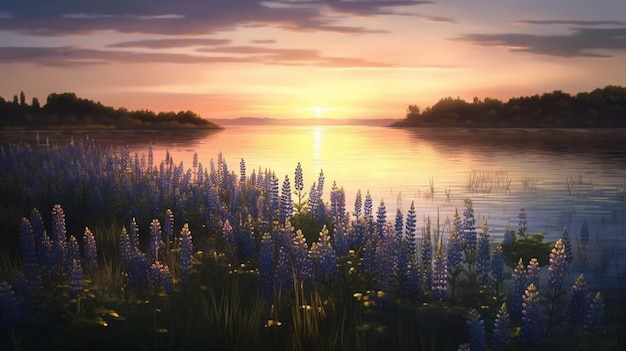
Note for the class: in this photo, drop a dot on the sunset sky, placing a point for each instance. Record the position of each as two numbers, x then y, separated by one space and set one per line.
301 59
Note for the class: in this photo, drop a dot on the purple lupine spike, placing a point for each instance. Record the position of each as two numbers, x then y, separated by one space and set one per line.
313 199
286 203
24 288
168 225
90 251
266 267
584 234
134 234
155 239
29 254
358 205
76 279
72 253
320 184
58 237
413 278
455 250
125 248
427 254
518 285
323 257
138 269
501 326
440 274
567 245
483 260
368 207
36 221
300 257
160 278
476 328
399 225
47 258
497 264
532 272
409 231
369 254
9 308
242 172
245 239
522 227
558 267
186 252
507 238
381 217
468 233
228 236
531 325
595 317
578 303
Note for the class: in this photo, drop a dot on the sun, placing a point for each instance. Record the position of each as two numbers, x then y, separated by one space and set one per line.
318 111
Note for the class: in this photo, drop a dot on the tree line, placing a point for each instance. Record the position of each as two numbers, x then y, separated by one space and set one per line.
600 108
66 110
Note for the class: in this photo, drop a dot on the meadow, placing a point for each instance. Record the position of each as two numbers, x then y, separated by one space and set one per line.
106 249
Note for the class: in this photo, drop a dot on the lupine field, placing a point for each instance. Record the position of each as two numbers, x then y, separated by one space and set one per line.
104 249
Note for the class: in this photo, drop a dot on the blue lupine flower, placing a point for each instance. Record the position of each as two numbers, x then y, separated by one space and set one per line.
9 308
532 272
427 255
24 288
531 325
340 220
558 267
578 303
584 234
368 207
468 233
518 286
76 279
381 217
160 278
455 250
283 275
409 231
314 198
567 244
386 255
36 221
186 252
29 254
507 238
46 257
245 239
286 204
324 257
403 260
168 225
58 238
266 267
298 179
125 248
72 252
476 328
228 236
501 325
242 172
358 204
155 239
483 260
594 320
497 264
90 251
320 184
134 234
399 225
369 254
440 274
138 268
413 278
300 257
522 221
273 197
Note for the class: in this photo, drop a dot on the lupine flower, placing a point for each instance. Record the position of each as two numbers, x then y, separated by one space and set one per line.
300 257
532 272
567 245
298 179
403 259
409 231
440 274
72 253
125 248
427 255
242 171
76 279
286 204
313 199
283 275
245 239
413 278
386 255
558 267
186 252
29 253
455 250
399 224
483 261
46 257
160 278
368 207
36 221
340 220
358 204
155 239
594 320
497 264
578 303
531 325
90 251
522 220
23 288
584 234
501 325
266 267
168 225
369 254
507 239
518 285
468 233
58 237
134 234
476 328
228 236
9 308
324 257
138 268
381 217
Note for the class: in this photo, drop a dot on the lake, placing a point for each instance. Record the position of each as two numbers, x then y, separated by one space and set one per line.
560 177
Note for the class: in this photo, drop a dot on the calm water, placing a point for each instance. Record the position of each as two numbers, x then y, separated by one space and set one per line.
560 177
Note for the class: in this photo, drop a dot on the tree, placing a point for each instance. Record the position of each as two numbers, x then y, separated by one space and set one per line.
35 104
22 99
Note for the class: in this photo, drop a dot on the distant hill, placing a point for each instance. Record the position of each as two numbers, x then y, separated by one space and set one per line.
67 111
600 108
241 121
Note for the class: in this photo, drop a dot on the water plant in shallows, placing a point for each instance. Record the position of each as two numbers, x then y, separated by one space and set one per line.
204 258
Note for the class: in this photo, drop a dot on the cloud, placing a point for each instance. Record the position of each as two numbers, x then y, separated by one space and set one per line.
184 17
581 42
573 22
263 41
169 43
68 56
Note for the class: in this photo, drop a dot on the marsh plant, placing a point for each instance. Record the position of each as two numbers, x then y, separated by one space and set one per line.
204 258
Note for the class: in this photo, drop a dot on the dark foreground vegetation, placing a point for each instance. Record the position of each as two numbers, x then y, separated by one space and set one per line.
67 111
155 256
600 108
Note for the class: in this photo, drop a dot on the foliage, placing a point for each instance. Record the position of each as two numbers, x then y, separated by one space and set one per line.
600 108
526 246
